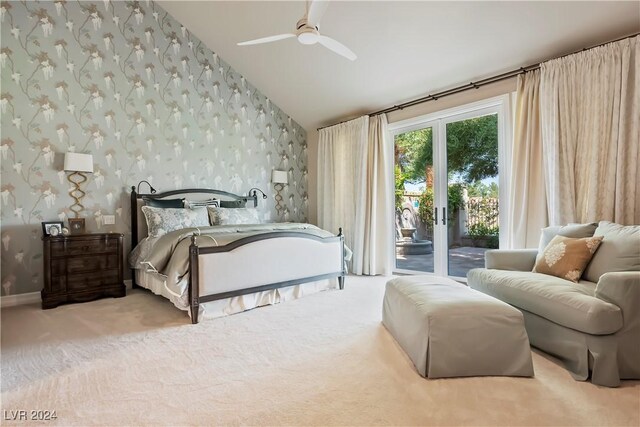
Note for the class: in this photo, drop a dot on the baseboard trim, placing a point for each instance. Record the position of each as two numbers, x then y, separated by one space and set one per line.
33 297
19 299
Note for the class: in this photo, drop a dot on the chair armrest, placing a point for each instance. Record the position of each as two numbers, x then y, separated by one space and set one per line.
511 259
622 289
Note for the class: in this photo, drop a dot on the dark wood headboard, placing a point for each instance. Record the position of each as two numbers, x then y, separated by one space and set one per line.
135 197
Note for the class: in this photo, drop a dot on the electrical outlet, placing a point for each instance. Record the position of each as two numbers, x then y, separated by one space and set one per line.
108 219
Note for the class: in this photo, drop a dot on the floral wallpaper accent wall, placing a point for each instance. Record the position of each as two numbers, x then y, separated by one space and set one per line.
127 83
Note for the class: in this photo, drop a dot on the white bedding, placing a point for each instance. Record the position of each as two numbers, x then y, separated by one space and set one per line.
162 266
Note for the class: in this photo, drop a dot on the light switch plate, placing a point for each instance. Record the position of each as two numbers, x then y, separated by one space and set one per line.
108 219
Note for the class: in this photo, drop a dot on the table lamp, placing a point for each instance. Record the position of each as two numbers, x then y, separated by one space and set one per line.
78 164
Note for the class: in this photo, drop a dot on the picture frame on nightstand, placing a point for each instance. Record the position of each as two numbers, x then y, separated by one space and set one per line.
77 225
52 228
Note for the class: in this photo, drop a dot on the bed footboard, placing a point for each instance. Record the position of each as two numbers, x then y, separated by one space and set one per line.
262 262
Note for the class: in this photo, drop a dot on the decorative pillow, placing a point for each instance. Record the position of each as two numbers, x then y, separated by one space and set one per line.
567 257
163 203
229 216
193 204
232 203
161 221
570 230
619 251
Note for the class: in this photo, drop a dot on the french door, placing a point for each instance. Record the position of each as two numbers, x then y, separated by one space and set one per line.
450 188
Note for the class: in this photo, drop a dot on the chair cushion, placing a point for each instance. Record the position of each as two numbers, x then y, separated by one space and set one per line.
619 250
572 305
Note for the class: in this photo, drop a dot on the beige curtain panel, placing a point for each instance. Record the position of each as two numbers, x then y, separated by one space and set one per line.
527 196
354 175
590 116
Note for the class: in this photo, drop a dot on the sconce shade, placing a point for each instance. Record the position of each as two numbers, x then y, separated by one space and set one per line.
76 162
279 177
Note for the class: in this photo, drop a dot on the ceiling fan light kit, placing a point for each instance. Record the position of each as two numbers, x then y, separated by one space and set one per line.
308 32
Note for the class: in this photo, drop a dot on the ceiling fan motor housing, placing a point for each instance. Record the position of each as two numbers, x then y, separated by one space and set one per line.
307 34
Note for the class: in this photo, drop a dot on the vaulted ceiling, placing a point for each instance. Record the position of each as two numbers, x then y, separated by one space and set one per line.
405 49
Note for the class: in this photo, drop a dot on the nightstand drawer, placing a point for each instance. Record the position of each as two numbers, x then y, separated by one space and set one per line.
82 264
92 280
83 247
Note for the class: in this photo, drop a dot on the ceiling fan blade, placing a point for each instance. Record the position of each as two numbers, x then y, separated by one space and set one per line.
267 39
316 10
337 47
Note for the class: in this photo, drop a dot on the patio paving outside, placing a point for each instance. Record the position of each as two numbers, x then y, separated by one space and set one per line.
461 260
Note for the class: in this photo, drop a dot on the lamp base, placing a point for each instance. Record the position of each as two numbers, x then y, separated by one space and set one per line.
76 192
279 188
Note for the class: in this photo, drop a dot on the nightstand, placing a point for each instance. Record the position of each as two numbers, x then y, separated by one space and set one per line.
83 267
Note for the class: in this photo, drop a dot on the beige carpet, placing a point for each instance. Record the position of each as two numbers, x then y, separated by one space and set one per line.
321 360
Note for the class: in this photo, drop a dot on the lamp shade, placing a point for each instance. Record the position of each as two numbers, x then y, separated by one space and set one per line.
76 162
279 177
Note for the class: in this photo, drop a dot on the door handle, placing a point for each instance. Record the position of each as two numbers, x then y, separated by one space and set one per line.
444 215
435 213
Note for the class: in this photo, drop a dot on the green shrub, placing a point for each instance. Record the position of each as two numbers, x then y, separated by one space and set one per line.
482 231
454 204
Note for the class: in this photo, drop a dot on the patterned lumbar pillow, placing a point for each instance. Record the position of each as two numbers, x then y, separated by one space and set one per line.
194 204
162 221
230 216
567 257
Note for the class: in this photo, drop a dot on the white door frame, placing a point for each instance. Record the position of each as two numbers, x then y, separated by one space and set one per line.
438 121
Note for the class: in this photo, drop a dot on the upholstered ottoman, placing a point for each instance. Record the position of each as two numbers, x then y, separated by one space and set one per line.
450 330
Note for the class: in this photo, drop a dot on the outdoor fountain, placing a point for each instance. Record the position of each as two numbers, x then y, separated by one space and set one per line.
408 244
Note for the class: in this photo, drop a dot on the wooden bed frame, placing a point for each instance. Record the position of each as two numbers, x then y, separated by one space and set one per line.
196 252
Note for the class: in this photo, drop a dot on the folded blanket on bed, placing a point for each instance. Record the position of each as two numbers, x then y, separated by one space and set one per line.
168 255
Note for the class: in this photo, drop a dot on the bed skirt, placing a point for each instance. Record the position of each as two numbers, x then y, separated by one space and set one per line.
228 306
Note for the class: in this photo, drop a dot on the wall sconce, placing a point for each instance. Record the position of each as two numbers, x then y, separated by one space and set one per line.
153 190
254 195
279 180
78 164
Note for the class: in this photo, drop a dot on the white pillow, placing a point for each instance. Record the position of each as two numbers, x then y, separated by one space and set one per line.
232 216
161 221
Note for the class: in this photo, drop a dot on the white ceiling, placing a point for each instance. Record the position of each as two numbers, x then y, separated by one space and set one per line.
405 49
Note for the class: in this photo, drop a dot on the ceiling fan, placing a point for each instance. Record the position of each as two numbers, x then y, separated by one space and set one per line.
308 31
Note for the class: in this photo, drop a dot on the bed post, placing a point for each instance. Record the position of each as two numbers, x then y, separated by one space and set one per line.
194 288
344 271
134 230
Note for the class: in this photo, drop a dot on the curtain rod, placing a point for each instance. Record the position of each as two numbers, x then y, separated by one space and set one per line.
476 85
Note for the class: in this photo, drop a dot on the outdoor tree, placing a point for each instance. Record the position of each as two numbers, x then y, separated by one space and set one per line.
472 151
480 189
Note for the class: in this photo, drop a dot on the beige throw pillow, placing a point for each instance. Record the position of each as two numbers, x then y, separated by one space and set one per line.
567 257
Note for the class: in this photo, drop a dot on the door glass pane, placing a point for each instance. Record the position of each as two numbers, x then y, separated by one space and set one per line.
472 208
414 200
